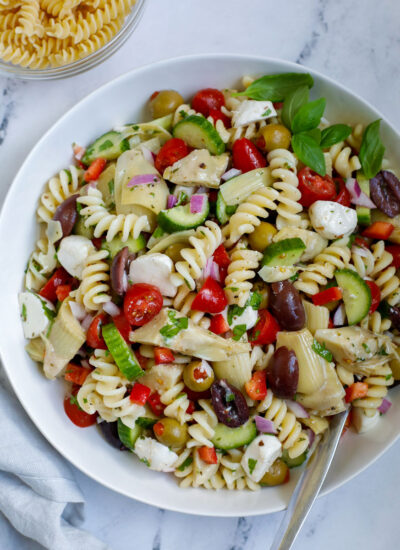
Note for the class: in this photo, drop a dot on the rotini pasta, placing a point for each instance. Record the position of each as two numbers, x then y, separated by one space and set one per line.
377 389
241 270
94 289
59 188
343 161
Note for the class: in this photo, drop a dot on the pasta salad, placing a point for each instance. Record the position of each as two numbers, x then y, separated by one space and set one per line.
217 282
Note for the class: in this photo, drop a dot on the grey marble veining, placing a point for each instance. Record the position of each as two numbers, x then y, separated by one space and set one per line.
354 41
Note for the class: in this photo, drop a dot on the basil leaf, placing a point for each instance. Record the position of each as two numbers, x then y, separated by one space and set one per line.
276 87
309 116
292 104
372 150
322 351
309 152
238 331
334 134
315 134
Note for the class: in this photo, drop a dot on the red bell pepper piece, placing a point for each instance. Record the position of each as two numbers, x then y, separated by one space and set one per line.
375 296
221 256
158 428
59 277
265 330
357 390
256 387
191 408
208 455
325 296
163 356
62 292
379 231
76 374
95 169
94 338
219 324
139 394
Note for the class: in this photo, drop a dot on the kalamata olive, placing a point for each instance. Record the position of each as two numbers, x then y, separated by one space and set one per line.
119 277
394 315
229 404
385 192
67 214
110 433
283 373
286 306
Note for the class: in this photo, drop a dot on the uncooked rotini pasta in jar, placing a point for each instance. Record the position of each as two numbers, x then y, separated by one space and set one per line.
215 283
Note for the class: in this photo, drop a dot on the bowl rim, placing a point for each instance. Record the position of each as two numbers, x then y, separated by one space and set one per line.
155 66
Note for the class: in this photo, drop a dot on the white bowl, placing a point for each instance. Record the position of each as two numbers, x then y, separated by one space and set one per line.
123 100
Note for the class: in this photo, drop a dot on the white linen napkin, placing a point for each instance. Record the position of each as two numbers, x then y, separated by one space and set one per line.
41 505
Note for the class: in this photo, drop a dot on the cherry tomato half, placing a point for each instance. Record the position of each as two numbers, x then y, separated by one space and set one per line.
314 187
375 296
343 196
208 100
59 277
394 250
210 298
265 330
246 156
123 326
76 414
219 115
142 302
94 339
173 150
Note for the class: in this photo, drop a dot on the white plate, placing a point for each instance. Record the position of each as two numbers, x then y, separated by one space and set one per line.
122 101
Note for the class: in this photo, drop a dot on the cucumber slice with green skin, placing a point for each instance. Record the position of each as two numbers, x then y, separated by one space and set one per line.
81 229
356 295
114 246
230 438
223 211
199 133
128 436
109 146
293 462
180 218
121 352
283 253
363 214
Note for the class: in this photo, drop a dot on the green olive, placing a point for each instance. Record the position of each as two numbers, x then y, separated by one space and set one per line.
164 103
198 376
174 251
262 289
276 475
262 236
169 432
276 136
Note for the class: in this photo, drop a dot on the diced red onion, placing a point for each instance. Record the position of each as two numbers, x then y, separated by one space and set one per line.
211 269
111 308
298 410
385 406
197 203
232 173
78 311
147 154
339 317
143 179
87 321
363 252
85 363
264 425
171 201
358 196
311 437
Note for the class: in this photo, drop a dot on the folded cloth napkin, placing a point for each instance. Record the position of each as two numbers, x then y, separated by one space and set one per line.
41 505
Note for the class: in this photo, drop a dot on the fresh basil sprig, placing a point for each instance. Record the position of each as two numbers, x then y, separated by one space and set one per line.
293 102
309 152
334 134
308 116
276 87
316 134
372 150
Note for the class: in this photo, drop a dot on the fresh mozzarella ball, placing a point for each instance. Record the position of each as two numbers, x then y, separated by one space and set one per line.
248 317
362 422
252 111
156 455
36 313
73 253
154 269
260 455
331 219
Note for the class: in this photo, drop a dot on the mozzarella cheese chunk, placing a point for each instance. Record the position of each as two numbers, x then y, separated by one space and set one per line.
260 455
252 111
155 455
73 253
331 219
248 317
362 422
154 269
36 313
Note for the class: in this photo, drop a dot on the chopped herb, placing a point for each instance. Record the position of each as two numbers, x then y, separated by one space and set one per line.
233 288
85 400
183 113
238 331
144 422
73 400
352 238
177 324
124 145
78 207
256 335
111 187
382 351
185 464
294 277
230 396
106 145
47 311
388 377
365 346
182 198
254 300
267 112
322 351
23 312
55 256
135 127
252 464
145 461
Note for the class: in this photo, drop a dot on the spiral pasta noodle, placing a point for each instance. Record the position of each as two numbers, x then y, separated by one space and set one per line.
343 161
233 474
377 389
94 289
183 303
177 403
58 189
241 270
363 261
40 264
355 138
384 274
376 323
204 428
28 19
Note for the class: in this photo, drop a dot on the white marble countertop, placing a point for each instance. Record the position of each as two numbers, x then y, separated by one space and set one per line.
356 42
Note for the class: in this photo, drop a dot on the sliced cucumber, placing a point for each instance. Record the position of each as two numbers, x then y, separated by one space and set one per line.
363 214
237 189
109 146
128 436
293 462
114 246
283 253
356 295
230 438
81 229
157 235
223 211
121 352
180 218
199 133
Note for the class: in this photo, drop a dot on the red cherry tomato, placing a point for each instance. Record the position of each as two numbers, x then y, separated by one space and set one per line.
94 339
76 414
59 277
219 324
208 100
343 196
221 256
191 408
163 356
76 374
142 302
375 296
219 115
173 150
139 394
394 250
256 387
123 326
359 241
210 298
265 330
246 156
155 404
314 187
